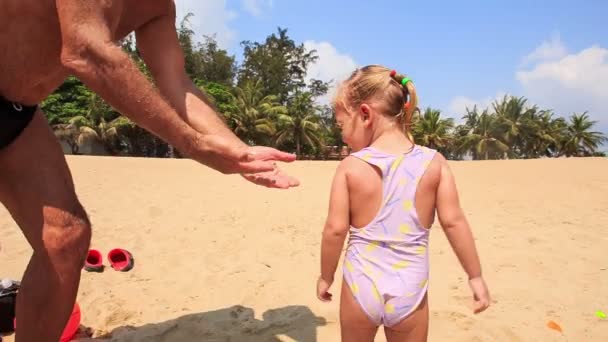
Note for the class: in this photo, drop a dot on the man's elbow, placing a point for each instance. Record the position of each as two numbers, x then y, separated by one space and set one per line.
87 59
76 58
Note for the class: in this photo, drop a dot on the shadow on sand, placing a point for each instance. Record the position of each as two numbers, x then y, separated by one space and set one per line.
237 323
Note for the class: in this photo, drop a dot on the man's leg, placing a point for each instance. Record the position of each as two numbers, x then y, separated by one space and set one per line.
37 189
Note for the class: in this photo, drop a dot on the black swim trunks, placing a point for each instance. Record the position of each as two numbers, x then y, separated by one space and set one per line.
14 117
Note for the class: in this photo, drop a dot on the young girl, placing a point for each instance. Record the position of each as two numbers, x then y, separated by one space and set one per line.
386 194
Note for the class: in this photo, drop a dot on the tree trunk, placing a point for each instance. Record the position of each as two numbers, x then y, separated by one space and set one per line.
298 146
74 147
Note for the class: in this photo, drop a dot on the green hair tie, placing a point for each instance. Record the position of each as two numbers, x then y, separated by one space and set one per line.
404 81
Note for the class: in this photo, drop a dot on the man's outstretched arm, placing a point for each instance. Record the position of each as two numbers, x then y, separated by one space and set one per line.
159 46
90 54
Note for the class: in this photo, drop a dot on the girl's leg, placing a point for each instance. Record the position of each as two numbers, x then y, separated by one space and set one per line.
414 328
355 325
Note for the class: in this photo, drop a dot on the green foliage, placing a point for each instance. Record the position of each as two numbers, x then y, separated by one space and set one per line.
268 100
69 100
516 130
280 64
205 61
221 96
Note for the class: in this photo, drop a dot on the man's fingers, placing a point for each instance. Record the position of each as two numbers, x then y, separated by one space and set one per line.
270 153
271 180
280 183
256 166
283 156
260 180
293 182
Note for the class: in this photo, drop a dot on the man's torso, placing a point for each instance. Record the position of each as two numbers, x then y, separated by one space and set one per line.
30 62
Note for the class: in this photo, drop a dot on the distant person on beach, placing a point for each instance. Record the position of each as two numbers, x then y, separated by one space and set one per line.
44 41
386 194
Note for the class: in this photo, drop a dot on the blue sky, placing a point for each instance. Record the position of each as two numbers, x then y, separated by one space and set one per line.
459 53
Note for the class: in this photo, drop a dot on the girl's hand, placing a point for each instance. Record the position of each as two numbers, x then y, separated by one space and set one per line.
481 294
322 290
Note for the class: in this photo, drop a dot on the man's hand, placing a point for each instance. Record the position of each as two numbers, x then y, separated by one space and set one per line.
271 179
214 145
257 164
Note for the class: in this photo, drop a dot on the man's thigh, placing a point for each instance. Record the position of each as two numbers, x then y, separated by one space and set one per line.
35 182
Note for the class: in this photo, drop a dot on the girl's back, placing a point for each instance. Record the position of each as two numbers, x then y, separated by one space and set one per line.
365 188
386 264
384 198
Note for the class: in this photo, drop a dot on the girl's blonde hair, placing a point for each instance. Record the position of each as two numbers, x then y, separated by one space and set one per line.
395 93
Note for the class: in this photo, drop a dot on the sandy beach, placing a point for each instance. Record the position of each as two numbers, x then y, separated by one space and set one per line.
219 259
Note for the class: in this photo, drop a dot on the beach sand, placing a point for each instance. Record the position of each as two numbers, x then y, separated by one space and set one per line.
219 259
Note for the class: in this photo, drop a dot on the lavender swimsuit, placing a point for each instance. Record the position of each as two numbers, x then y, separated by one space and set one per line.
386 264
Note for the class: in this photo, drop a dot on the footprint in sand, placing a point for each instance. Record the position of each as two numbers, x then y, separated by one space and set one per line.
119 316
472 328
461 320
154 212
467 300
506 265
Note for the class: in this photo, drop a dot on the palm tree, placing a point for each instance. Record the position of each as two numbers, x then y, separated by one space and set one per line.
484 140
471 118
253 122
459 134
329 132
81 130
579 141
93 127
433 131
512 114
543 134
301 124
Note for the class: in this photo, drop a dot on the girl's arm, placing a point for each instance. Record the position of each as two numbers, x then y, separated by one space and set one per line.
454 222
459 235
337 223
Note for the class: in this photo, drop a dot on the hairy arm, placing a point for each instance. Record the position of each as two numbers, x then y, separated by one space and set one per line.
90 54
159 46
337 222
455 224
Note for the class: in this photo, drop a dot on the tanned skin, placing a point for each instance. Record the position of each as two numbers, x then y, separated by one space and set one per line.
44 41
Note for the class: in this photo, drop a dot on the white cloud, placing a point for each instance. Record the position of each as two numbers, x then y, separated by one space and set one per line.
459 104
332 66
558 80
256 7
547 51
211 17
574 83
